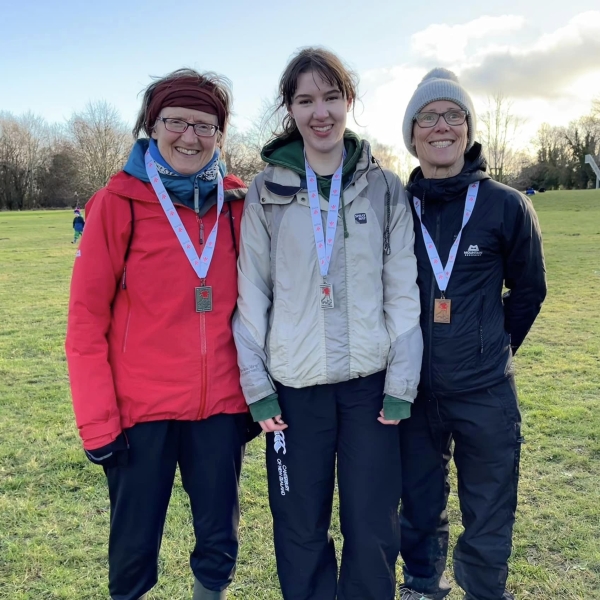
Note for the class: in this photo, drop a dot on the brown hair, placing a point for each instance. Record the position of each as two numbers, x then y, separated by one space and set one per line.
207 84
328 66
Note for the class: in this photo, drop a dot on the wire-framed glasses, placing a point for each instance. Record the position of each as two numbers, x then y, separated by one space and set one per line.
180 126
429 119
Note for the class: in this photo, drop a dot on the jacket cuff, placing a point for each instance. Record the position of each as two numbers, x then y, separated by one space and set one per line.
264 409
395 409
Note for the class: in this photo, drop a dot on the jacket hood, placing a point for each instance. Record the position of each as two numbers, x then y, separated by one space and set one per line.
448 189
289 153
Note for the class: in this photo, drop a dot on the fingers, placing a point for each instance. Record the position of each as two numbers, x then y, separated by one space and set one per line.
381 418
274 424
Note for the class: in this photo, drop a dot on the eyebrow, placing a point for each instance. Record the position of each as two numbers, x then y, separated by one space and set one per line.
192 121
332 91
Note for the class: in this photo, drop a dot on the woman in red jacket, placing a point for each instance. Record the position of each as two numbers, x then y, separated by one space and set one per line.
151 357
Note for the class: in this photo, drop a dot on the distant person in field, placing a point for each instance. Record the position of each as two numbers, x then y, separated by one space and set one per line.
328 302
474 236
78 225
150 348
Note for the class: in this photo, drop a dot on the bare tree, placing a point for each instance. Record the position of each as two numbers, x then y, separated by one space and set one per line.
23 141
398 161
242 155
102 143
499 125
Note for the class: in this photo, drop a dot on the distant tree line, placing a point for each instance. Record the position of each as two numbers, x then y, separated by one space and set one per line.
46 166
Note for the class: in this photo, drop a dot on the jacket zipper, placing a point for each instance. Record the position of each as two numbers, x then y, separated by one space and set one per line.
481 324
432 299
203 365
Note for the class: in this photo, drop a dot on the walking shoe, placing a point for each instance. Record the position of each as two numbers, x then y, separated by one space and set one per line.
408 594
201 593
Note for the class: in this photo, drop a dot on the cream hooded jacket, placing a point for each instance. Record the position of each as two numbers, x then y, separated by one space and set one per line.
280 330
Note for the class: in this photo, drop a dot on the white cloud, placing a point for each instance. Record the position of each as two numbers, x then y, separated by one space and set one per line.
546 67
552 78
447 44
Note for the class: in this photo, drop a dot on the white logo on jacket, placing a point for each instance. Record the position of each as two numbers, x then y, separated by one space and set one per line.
279 442
473 250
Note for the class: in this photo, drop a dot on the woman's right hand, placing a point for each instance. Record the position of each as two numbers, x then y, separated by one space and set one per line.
274 424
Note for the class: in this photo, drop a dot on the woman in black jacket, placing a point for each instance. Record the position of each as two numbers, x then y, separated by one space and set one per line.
474 236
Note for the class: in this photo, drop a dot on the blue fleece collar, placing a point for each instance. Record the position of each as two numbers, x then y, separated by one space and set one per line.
180 187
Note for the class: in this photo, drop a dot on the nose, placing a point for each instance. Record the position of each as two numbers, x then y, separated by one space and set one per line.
188 136
321 111
441 125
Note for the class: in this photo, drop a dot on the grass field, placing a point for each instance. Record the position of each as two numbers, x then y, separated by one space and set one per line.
54 504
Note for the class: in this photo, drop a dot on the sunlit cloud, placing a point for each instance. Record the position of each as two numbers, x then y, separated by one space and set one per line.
551 78
447 44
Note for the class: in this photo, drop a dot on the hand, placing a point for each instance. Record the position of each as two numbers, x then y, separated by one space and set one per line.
274 424
385 421
114 454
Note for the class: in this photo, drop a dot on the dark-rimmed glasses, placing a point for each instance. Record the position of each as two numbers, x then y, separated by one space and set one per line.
179 126
453 117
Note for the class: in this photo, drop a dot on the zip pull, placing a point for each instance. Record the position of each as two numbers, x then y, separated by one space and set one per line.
124 278
201 225
196 197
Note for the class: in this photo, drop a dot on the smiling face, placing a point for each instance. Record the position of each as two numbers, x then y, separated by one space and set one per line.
186 152
441 148
320 112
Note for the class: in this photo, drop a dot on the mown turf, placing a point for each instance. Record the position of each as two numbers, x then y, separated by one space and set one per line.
54 506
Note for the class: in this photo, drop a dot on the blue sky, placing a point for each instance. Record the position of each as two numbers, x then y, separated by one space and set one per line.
55 56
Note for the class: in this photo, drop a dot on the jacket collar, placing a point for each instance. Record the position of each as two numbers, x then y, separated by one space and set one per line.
450 188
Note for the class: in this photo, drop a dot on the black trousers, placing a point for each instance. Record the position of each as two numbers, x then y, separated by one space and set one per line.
209 454
325 422
486 429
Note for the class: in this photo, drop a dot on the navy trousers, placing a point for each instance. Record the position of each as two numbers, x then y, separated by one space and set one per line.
209 454
328 422
485 427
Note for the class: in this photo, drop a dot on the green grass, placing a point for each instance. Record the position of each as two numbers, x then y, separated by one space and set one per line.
54 505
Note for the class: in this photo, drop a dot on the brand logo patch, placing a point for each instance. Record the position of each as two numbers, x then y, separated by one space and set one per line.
279 442
360 218
473 250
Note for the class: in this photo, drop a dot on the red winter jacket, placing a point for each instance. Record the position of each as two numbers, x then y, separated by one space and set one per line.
137 350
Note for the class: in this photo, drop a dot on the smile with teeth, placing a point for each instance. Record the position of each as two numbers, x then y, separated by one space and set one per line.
187 151
442 143
323 128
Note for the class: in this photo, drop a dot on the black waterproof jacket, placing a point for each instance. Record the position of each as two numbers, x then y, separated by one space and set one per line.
500 246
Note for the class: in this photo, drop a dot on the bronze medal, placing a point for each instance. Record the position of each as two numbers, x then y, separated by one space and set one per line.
326 295
204 299
441 310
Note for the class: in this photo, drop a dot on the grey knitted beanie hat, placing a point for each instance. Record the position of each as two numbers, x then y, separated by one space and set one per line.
438 84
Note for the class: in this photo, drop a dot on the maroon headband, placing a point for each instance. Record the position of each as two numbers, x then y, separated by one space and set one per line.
185 93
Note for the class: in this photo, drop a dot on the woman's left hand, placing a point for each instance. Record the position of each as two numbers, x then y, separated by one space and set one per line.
385 421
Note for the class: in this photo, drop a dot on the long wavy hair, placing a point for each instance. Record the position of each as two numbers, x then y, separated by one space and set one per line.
317 60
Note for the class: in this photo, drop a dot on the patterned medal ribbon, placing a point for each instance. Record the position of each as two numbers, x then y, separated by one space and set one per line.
324 247
442 274
199 264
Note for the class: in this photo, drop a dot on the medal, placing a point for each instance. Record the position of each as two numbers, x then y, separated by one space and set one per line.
204 298
441 306
441 310
326 295
324 245
200 264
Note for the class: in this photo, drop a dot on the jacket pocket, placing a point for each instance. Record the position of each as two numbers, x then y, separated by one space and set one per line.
480 333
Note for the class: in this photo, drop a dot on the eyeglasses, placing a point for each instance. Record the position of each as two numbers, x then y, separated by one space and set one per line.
452 117
179 126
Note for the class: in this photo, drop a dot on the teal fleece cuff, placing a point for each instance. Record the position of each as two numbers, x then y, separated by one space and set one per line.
395 409
266 408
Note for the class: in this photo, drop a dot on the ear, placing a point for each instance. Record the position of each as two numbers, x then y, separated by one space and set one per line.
153 132
349 104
